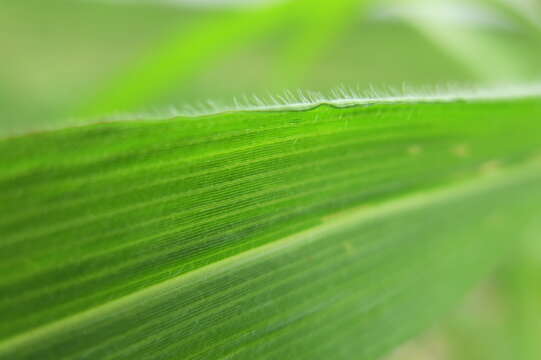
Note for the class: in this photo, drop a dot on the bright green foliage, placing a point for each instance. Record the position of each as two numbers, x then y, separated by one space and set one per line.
282 233
331 231
184 54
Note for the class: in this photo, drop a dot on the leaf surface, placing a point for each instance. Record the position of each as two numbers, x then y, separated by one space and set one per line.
259 234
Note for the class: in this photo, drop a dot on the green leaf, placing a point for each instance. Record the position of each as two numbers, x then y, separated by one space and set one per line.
320 24
329 232
184 54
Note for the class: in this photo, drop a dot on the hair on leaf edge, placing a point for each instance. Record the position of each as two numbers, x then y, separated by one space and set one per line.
302 100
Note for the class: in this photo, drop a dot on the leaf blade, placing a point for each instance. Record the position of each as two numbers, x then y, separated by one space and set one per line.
168 198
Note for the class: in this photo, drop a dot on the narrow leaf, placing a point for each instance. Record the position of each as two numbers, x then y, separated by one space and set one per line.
330 232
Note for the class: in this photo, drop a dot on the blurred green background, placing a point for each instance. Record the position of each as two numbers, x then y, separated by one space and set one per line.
67 62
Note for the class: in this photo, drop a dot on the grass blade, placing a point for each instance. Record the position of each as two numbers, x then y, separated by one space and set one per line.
259 233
